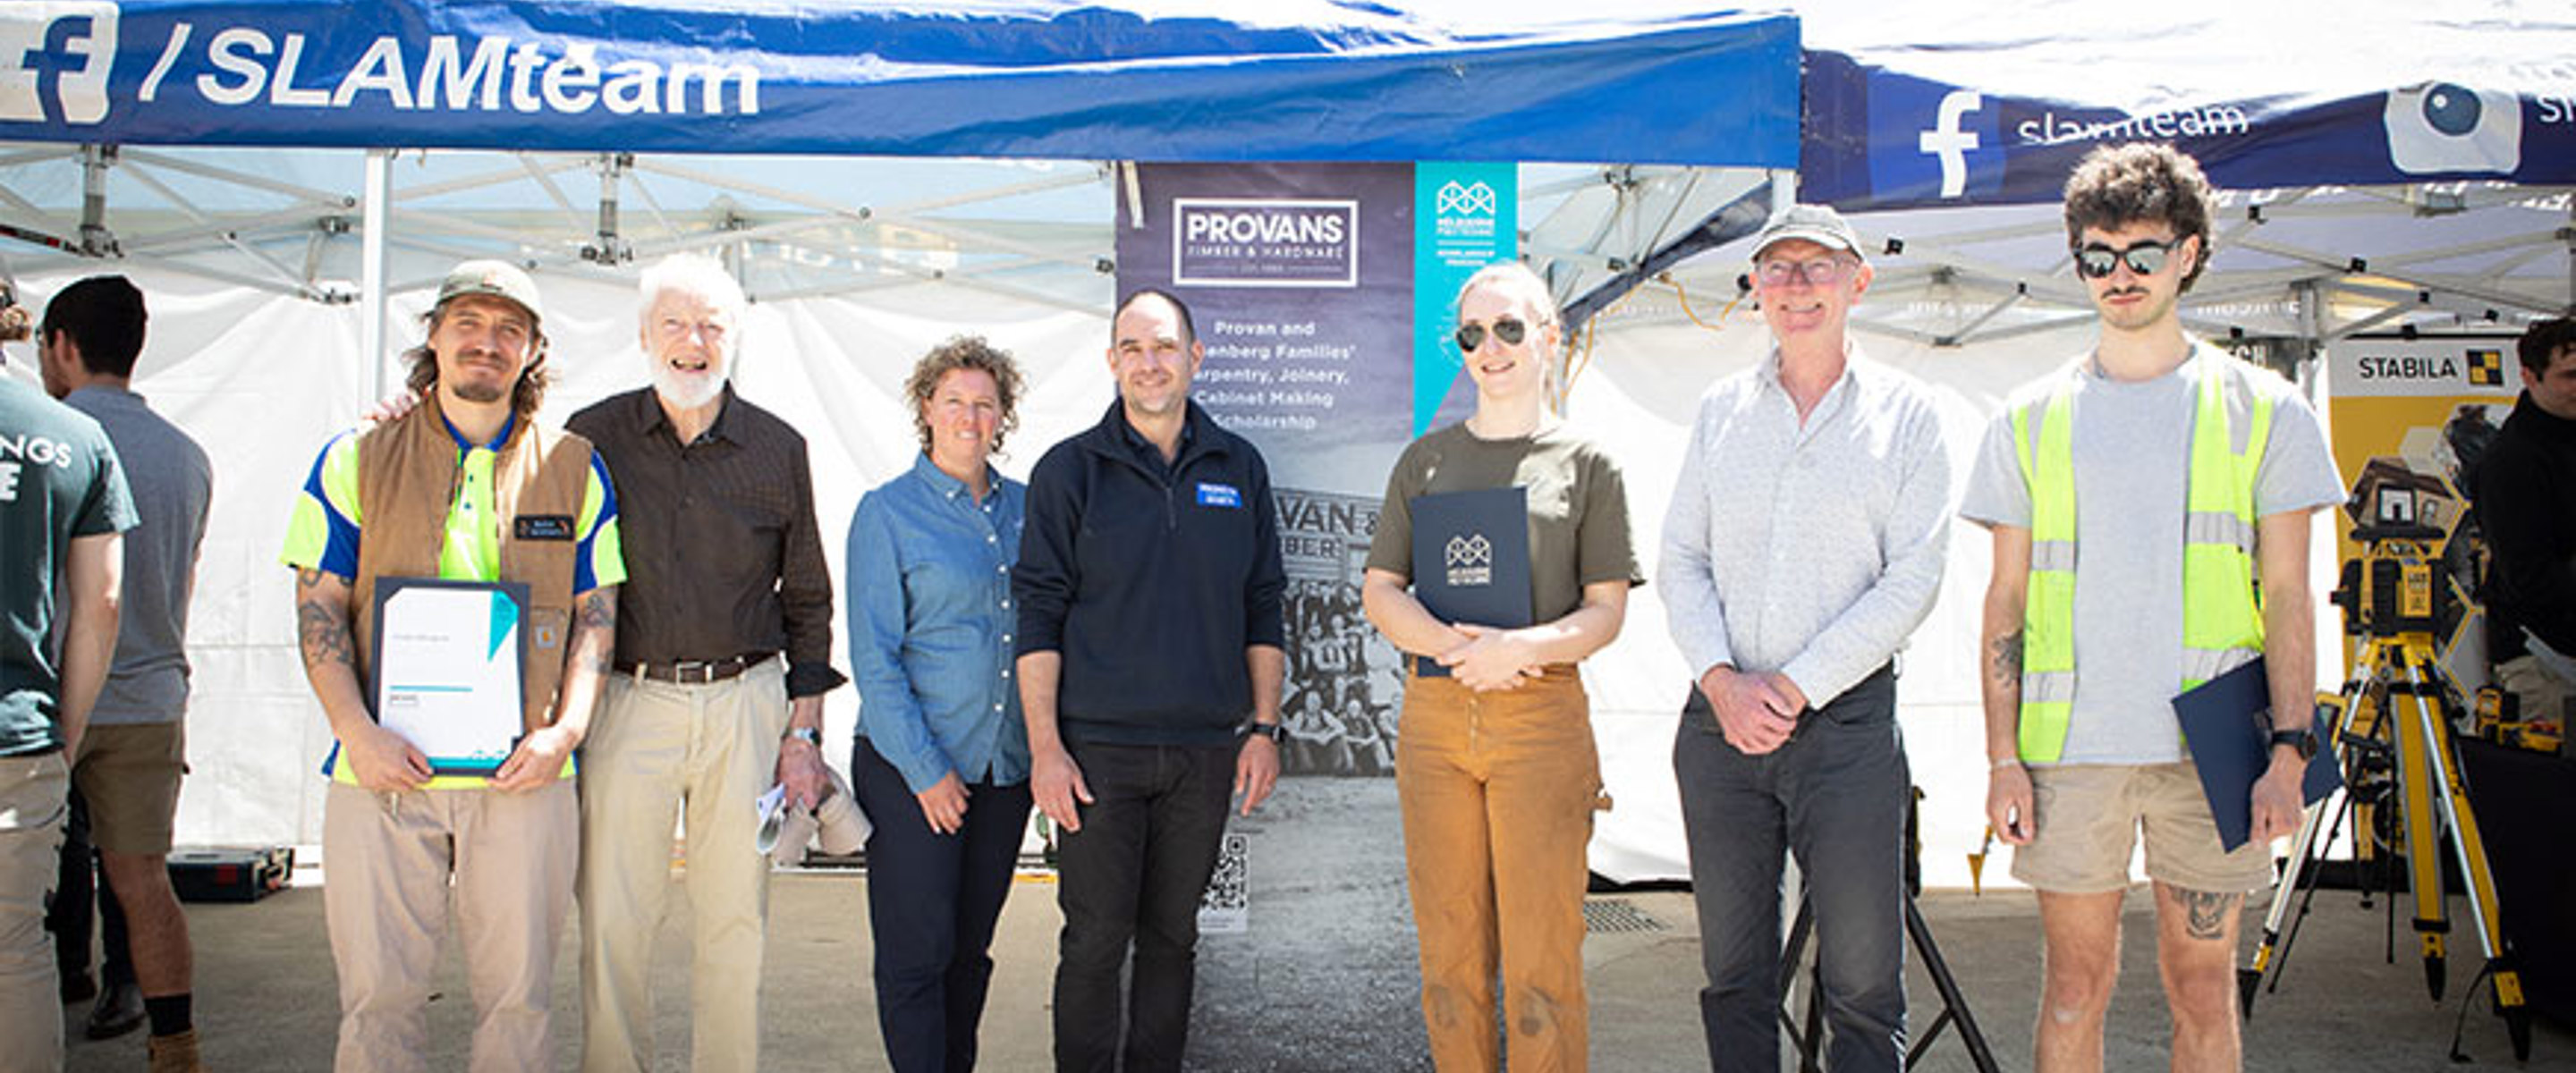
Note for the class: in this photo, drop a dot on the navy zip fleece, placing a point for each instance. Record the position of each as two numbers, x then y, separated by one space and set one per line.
1150 583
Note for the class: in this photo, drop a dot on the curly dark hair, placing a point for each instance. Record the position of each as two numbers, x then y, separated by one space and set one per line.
422 363
2542 342
2142 182
965 352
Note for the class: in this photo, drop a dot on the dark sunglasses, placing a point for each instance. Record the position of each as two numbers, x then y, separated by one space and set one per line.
2145 258
1508 329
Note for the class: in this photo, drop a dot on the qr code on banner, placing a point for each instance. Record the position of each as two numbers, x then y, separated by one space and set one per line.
1226 906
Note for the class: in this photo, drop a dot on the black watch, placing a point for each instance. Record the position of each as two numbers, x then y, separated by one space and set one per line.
1276 732
2303 740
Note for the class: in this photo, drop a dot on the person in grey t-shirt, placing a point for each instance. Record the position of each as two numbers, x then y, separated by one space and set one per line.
2096 478
131 761
1804 544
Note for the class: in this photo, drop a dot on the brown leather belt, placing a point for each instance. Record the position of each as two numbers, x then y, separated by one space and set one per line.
694 671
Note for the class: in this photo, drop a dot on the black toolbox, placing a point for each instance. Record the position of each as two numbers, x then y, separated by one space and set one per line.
230 873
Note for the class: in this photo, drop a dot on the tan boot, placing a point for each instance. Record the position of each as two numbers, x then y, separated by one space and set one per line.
176 1053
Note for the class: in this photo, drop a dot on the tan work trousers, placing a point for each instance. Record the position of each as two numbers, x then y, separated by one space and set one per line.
704 753
1498 791
33 795
388 860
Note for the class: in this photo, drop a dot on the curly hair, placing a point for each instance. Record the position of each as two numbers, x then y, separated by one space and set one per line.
2142 182
969 352
525 397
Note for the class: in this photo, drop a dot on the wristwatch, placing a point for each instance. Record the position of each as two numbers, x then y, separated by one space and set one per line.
808 735
2303 740
1276 732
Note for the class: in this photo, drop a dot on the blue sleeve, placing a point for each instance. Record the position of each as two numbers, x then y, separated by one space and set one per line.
600 545
1044 579
1262 592
890 715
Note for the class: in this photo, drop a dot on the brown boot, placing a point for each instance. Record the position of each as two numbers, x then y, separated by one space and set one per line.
176 1053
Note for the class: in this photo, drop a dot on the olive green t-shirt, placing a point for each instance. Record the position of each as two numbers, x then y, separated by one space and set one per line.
1578 507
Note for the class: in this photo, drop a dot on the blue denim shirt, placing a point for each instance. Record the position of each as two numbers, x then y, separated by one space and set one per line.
931 621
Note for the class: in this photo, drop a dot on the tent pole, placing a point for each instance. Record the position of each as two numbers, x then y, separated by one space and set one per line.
377 198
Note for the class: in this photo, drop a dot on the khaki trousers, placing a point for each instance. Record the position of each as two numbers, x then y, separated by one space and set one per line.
34 799
389 860
704 753
1498 791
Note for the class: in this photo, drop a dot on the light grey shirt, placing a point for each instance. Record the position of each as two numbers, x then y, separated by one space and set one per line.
147 681
2132 447
1808 549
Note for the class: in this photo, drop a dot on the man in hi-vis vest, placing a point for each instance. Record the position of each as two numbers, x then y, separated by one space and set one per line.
465 487
2149 503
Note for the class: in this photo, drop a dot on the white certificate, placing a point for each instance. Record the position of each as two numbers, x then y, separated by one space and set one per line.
447 660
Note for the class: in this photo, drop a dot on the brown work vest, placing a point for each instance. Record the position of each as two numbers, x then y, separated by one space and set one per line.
409 470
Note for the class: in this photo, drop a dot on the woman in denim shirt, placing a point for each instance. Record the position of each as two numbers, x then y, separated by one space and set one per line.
941 761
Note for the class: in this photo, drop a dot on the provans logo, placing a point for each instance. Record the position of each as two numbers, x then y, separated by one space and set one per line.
55 56
1262 242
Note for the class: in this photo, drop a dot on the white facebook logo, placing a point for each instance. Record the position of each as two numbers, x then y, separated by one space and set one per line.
1949 142
74 41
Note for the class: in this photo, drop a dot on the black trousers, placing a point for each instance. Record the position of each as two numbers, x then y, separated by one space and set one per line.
80 883
933 900
1133 876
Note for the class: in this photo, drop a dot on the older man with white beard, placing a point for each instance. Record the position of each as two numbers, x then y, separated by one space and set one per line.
725 571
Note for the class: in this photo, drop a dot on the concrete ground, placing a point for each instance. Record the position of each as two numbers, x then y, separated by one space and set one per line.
1323 979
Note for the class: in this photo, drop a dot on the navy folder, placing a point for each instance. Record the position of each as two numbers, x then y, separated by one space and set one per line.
2227 722
1471 560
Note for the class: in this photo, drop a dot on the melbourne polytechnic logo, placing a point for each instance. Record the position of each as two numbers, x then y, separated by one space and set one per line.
1470 559
55 56
1465 199
1932 141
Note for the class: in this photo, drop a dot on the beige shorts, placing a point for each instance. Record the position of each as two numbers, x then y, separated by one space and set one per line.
2089 816
128 774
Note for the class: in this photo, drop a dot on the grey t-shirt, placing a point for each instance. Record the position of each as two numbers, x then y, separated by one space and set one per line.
172 482
2132 446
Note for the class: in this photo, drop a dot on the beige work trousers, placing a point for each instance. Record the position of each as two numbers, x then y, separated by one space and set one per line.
1498 791
706 753
33 795
389 860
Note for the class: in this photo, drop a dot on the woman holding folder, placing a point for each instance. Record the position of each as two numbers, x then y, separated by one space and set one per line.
1495 767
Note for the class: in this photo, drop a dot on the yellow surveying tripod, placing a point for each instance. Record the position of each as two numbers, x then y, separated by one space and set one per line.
2392 724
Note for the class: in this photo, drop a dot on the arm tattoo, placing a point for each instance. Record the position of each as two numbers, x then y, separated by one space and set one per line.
2007 660
322 632
597 610
2205 913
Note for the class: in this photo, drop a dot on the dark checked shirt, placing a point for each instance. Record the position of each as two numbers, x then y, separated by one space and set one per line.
722 554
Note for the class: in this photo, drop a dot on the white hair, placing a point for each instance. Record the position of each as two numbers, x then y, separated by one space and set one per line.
694 274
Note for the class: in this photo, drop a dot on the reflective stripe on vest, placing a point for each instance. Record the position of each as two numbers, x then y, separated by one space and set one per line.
2221 604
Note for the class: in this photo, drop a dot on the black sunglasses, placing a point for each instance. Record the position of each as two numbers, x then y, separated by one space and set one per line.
2098 261
1508 329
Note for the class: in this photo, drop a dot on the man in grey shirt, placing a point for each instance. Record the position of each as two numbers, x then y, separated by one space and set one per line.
1803 545
130 763
2095 479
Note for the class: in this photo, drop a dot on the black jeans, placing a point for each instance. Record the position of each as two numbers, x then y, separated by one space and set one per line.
1134 875
1835 794
79 884
933 900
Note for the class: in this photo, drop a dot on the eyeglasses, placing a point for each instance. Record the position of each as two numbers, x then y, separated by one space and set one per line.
1820 272
2147 258
1508 329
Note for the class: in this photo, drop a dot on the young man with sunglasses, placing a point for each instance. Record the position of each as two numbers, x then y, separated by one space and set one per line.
2149 508
1804 544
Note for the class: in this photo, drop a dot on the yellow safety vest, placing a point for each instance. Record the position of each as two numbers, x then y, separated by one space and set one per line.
2222 615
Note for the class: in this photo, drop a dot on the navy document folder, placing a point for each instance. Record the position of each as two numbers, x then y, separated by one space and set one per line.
2227 723
1471 560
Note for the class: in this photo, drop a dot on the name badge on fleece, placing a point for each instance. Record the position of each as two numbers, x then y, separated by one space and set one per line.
543 527
1219 495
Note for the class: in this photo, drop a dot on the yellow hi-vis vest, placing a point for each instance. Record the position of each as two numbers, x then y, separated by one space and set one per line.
2222 615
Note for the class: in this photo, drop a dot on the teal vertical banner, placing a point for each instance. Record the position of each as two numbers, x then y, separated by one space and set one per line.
1465 216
